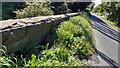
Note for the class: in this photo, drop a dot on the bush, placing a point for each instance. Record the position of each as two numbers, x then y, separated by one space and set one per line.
60 7
73 41
76 35
72 44
34 9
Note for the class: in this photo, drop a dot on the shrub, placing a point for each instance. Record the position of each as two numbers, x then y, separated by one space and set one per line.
72 44
73 41
76 35
34 9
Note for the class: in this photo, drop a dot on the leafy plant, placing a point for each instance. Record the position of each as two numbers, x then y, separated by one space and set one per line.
62 54
6 60
72 42
111 10
90 7
34 9
76 28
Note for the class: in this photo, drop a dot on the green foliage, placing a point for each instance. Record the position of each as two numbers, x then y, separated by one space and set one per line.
104 7
65 32
78 6
96 9
74 40
7 60
114 16
79 31
34 9
72 44
90 7
12 10
60 7
85 15
9 7
62 54
33 62
30 45
112 9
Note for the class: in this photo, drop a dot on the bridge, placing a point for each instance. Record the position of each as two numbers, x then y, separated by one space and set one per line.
18 32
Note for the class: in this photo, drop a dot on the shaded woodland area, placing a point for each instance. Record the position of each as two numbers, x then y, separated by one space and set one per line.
8 8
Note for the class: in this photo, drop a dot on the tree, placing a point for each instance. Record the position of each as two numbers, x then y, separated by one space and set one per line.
90 7
60 7
102 8
34 9
76 6
113 10
96 9
118 11
9 7
22 9
66 7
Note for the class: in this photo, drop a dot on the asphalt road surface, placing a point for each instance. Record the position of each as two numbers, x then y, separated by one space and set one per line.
107 41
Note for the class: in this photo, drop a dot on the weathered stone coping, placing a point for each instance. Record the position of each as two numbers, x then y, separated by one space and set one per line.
17 33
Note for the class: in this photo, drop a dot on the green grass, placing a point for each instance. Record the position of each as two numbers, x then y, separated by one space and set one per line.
109 22
72 43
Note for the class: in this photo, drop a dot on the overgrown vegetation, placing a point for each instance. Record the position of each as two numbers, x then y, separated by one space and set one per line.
60 7
70 44
110 10
90 7
34 9
12 10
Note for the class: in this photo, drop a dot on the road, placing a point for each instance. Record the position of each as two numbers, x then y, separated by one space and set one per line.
107 41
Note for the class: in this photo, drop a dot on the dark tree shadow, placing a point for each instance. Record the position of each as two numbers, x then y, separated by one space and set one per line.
107 59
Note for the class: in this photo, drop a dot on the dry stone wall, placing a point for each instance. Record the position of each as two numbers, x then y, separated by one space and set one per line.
18 32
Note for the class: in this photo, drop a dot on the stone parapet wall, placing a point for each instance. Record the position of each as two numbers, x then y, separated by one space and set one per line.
18 32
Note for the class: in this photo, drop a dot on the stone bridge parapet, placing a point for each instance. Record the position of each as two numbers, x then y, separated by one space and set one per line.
17 33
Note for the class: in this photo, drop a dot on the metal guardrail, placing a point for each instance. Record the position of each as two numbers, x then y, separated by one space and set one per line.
107 31
112 34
